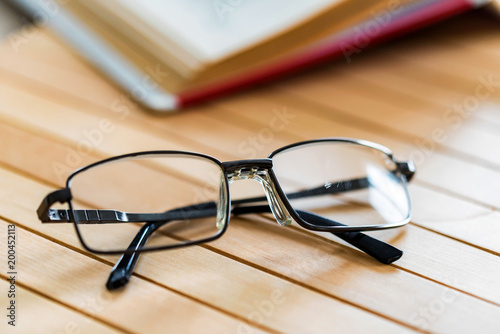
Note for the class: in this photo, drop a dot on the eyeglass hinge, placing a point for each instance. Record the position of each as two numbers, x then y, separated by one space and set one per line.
44 213
407 168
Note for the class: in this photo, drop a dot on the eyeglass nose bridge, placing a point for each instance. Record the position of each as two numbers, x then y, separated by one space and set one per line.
258 170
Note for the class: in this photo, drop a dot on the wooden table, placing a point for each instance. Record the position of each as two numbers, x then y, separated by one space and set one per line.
261 277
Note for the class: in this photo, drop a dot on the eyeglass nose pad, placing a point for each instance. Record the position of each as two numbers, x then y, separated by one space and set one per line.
278 209
222 204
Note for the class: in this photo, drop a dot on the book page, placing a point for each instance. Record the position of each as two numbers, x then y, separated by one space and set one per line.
213 29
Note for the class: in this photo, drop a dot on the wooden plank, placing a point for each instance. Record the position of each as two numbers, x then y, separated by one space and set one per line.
68 65
304 118
145 136
481 47
328 127
57 318
334 270
431 207
343 92
212 123
319 126
464 189
341 257
195 265
71 66
446 80
434 210
483 176
466 178
79 285
415 89
32 71
41 48
390 79
466 78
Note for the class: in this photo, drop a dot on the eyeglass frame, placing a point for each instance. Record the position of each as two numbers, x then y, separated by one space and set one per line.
406 170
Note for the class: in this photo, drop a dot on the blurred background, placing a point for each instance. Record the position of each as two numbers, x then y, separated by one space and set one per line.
10 19
431 96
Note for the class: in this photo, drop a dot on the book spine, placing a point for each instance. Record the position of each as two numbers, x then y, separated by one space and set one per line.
414 17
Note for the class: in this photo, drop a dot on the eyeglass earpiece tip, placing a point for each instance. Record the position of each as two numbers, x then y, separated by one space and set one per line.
117 279
394 255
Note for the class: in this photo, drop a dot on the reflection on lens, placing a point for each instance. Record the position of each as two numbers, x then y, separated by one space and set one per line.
188 190
346 182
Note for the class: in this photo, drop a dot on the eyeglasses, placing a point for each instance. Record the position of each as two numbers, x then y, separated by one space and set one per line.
160 200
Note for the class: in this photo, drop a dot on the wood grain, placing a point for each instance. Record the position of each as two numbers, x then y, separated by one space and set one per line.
261 277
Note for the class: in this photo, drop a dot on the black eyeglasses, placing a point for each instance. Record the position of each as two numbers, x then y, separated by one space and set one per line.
172 199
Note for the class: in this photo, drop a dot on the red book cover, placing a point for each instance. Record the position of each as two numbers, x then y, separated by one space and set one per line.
383 26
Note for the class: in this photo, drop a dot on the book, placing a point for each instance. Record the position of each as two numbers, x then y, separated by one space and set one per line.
170 54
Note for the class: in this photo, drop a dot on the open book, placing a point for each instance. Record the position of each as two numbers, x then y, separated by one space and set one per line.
168 54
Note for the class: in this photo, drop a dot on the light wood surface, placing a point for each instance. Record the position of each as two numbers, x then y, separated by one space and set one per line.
399 94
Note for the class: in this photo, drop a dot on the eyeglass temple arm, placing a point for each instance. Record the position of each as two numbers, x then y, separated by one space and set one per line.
385 253
381 251
406 168
47 215
123 269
